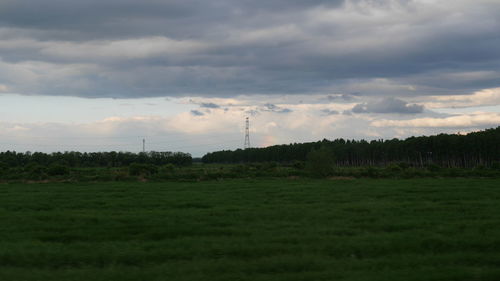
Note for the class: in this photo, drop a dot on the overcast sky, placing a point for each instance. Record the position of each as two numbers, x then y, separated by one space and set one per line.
100 75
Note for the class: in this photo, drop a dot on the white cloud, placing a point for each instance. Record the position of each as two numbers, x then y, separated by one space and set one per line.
461 121
486 97
223 127
218 128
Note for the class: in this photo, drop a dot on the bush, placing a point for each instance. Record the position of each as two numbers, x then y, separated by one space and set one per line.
370 172
213 176
403 165
35 171
479 168
120 175
433 168
3 166
58 170
239 170
394 168
166 172
320 162
140 169
299 165
269 166
495 165
455 172
413 173
168 168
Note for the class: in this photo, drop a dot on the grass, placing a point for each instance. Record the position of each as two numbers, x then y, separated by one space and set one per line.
275 229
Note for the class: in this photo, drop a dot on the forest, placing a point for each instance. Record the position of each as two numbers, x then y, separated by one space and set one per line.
446 155
480 148
93 159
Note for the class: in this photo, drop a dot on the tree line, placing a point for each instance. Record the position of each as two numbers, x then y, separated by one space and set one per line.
446 150
93 159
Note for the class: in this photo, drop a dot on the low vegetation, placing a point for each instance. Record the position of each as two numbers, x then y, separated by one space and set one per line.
265 229
318 165
331 210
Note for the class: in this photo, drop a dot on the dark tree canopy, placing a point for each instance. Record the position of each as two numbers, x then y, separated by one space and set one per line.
93 159
446 150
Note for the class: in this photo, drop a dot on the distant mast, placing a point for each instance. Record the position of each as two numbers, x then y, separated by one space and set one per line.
144 145
247 134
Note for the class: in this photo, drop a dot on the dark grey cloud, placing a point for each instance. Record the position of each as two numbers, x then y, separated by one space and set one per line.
252 112
197 113
275 108
91 19
128 48
330 112
388 105
209 105
341 98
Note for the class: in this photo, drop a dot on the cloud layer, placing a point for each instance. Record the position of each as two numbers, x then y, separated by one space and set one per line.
388 105
208 124
225 48
302 71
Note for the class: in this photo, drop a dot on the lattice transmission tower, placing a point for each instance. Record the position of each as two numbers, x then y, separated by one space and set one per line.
247 134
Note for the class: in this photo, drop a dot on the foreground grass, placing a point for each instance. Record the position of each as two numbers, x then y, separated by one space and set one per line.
420 229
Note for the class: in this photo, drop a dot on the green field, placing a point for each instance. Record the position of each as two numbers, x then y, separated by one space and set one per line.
254 229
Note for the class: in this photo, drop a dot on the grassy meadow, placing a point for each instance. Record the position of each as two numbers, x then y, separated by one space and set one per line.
252 229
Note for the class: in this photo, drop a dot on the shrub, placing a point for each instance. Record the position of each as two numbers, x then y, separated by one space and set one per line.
213 176
169 168
14 173
495 165
370 172
34 167
141 169
455 172
433 168
35 171
320 162
479 168
239 169
3 166
120 175
269 165
167 171
58 170
403 165
394 168
299 165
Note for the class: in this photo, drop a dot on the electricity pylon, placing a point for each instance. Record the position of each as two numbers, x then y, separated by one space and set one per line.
247 134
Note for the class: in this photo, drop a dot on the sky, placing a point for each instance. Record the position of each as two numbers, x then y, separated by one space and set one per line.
102 75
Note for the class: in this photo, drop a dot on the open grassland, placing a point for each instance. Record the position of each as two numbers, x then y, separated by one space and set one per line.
419 229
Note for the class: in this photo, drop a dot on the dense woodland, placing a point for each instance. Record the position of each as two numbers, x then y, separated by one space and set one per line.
93 159
446 150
